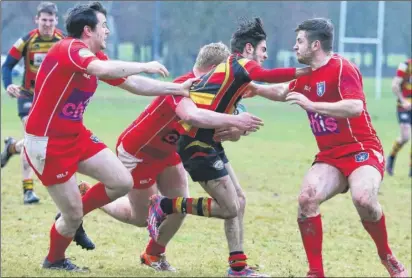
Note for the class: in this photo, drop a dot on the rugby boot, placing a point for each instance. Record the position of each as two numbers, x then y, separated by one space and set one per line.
394 267
64 264
390 163
81 237
6 154
246 272
155 217
29 197
158 263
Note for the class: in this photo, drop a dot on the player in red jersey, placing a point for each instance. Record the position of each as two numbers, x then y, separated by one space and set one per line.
350 153
57 144
221 90
33 47
148 149
402 88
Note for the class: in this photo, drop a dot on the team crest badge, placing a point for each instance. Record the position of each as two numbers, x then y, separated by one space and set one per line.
320 88
94 139
361 157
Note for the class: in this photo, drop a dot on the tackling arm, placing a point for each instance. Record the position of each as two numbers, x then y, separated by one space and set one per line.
202 118
111 69
275 92
144 86
347 108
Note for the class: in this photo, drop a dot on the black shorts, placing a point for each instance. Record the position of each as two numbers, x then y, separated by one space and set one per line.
203 161
404 117
24 104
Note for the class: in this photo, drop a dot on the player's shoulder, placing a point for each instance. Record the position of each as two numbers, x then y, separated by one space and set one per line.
59 34
343 64
184 77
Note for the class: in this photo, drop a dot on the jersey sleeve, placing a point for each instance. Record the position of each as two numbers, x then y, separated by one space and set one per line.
114 82
279 75
17 51
77 56
350 82
173 101
402 70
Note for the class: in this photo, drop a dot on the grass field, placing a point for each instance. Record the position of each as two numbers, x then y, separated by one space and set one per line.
270 165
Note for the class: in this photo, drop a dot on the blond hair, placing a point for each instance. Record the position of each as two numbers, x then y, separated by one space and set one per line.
212 54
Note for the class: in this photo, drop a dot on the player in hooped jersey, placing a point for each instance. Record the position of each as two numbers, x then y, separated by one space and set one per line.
148 149
220 90
33 47
350 153
402 88
57 144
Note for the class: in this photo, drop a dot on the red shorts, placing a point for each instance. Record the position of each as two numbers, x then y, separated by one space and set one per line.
349 163
145 168
55 159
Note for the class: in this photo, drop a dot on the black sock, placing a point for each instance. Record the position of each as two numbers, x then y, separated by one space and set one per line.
166 205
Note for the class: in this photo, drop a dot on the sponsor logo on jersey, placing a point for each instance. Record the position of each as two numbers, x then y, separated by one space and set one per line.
75 105
322 125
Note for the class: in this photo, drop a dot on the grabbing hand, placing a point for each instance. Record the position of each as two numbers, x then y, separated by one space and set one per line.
248 122
13 90
301 100
156 67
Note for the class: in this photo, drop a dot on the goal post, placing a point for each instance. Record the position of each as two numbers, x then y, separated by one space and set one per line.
378 41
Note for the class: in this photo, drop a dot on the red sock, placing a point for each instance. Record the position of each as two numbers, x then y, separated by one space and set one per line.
94 198
58 245
312 236
378 232
155 249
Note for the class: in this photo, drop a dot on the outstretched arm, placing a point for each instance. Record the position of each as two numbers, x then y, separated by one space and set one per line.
112 69
275 92
144 86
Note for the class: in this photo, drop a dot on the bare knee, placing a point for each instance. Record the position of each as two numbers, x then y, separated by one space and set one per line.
309 200
242 202
366 202
231 210
122 183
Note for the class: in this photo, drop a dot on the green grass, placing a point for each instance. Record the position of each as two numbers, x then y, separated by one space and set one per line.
270 165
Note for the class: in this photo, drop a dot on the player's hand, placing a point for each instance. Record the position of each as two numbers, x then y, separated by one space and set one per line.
250 91
406 105
187 85
13 90
301 100
248 122
156 67
227 134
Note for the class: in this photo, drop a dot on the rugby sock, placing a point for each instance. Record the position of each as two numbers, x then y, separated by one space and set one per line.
58 245
312 236
237 260
155 249
27 185
377 231
95 197
396 148
195 206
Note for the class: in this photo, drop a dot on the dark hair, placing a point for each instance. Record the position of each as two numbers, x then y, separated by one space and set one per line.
47 7
249 31
83 15
320 29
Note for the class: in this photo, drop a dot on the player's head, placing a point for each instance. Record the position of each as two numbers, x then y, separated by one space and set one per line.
88 22
313 35
46 18
250 40
211 55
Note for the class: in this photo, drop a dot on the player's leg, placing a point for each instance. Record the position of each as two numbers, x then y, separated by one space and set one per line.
27 172
172 182
364 185
67 198
321 183
404 119
100 163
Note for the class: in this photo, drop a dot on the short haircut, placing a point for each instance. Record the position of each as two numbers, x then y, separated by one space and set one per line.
47 7
212 54
249 31
320 29
83 15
